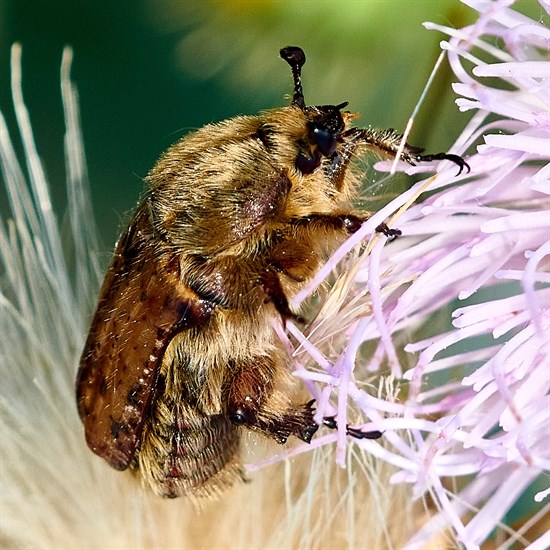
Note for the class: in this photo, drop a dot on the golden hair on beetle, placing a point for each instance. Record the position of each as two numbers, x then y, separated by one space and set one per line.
181 354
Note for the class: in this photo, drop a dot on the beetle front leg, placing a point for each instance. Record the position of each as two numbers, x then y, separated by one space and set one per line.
388 142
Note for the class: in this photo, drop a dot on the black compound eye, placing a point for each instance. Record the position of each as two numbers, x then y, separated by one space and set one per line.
324 139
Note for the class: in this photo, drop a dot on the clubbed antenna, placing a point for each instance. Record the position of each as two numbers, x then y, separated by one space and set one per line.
296 58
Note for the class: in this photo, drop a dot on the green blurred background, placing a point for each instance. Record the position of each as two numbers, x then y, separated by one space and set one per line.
150 70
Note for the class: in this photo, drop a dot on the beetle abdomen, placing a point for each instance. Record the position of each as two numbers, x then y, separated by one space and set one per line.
184 452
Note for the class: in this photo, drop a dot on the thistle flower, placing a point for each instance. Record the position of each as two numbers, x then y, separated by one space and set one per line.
465 411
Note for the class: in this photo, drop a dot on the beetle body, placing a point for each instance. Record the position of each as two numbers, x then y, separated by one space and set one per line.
182 355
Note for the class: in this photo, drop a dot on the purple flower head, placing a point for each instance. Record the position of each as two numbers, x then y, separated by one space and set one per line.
464 408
